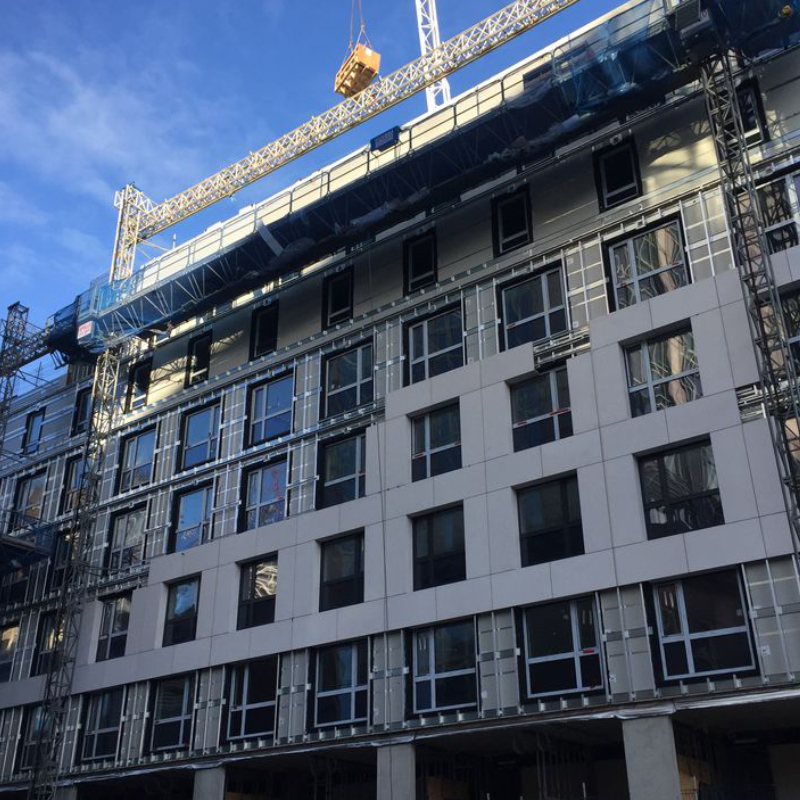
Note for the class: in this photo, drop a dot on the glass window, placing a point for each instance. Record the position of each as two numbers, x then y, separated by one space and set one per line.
257 589
436 345
791 317
562 649
752 117
13 586
59 562
200 436
338 294
618 175
193 519
114 627
172 713
540 410
534 309
181 622
264 334
778 201
252 694
512 222
198 359
420 261
46 644
73 472
29 503
271 410
648 265
127 538
663 372
33 431
436 442
82 412
702 626
138 385
101 725
343 472
550 526
266 494
342 688
445 667
679 489
439 554
36 722
9 635
136 464
342 580
348 380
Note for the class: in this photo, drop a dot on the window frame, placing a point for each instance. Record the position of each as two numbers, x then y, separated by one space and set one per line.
359 383
186 715
91 719
212 442
206 525
29 740
424 567
22 486
241 671
128 485
6 662
34 425
498 240
195 374
269 312
330 319
600 157
133 401
790 191
108 637
358 648
548 310
414 358
357 578
559 415
423 452
246 605
247 506
126 554
46 651
171 625
759 134
258 412
410 284
80 424
357 478
70 493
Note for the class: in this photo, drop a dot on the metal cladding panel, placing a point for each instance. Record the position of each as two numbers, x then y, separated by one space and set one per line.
26 646
303 476
134 723
705 228
388 681
71 738
167 434
388 357
480 321
307 392
497 661
226 505
158 520
111 459
292 695
208 707
586 281
237 417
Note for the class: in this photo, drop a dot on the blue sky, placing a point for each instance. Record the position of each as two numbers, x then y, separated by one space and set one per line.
96 95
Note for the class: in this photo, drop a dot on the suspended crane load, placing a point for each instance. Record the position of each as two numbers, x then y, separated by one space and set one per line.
358 71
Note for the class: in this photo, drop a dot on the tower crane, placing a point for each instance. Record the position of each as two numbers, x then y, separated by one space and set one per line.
437 94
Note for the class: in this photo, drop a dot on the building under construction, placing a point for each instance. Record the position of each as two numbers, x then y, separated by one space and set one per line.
465 468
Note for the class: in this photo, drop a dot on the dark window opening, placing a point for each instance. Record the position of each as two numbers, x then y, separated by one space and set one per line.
173 705
252 697
436 345
127 538
200 436
534 308
36 727
82 412
193 517
138 458
349 380
181 622
511 221
439 554
257 589
337 295
419 258
341 684
101 724
436 442
138 385
29 500
617 174
70 495
9 636
47 639
264 331
540 410
342 573
114 627
33 432
198 359
754 120
343 475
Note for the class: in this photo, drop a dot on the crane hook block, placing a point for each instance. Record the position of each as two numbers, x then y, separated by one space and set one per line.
357 71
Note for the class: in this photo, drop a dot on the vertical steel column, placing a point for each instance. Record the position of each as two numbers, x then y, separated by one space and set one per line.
14 334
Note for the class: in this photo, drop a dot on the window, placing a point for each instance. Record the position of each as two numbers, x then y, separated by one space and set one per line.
562 650
35 726
138 385
172 713
444 667
419 260
511 221
257 588
8 645
550 525
29 502
101 725
791 316
136 464
778 201
127 538
114 627
82 412
73 472
534 309
200 436
648 265
348 380
342 579
680 491
33 432
181 622
439 555
59 562
198 359
46 642
663 372
13 587
270 413
337 298
752 112
436 345
252 694
192 518
436 442
341 688
702 626
617 174
264 331
266 495
540 410
343 472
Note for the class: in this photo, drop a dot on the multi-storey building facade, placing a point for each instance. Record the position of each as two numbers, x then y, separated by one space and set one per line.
482 507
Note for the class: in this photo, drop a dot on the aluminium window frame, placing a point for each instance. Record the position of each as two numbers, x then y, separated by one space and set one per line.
243 708
357 578
555 415
45 652
205 527
127 485
107 637
7 664
245 605
329 319
426 356
499 242
19 517
91 717
269 312
175 622
34 422
353 690
411 285
604 199
126 553
790 182
358 478
430 560
248 506
195 374
212 442
132 401
80 423
187 715
360 349
427 452
258 413
29 736
70 491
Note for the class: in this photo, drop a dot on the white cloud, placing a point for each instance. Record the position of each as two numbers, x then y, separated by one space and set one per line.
16 210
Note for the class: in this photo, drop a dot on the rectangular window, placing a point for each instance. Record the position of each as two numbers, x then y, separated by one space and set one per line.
648 265
29 502
14 586
59 562
257 589
264 331
101 725
252 695
337 298
265 500
419 260
181 622
791 316
200 436
9 635
138 385
114 627
550 526
36 726
445 676
193 517
343 472
778 201
198 359
680 491
82 411
172 713
33 432
540 410
752 112
617 174
46 643
348 380
127 538
511 221
702 626
138 457
439 554
436 345
436 442
534 309
73 472
270 412
342 687
663 372
562 648
342 572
